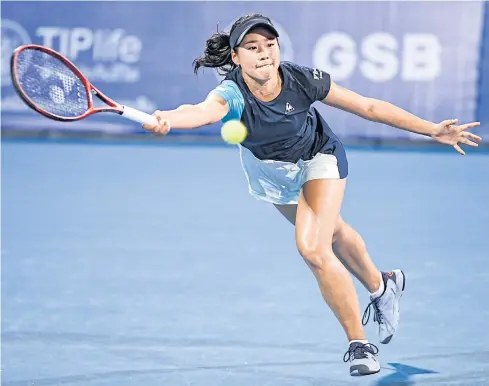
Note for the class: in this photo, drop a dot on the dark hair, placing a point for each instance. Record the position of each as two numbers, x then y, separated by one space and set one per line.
217 53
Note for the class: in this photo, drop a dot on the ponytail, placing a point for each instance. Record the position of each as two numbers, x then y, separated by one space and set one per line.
217 54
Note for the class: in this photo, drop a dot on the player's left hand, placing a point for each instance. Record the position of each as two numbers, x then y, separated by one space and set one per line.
447 132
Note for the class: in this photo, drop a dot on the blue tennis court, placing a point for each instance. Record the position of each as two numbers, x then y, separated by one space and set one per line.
151 265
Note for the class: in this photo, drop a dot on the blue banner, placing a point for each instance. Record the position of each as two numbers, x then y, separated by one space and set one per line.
141 54
483 100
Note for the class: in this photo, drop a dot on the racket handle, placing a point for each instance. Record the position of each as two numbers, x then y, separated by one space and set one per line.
138 116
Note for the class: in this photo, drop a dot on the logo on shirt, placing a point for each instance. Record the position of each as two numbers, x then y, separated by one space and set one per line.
288 108
317 74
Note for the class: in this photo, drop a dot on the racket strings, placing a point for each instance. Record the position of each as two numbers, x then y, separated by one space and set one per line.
51 84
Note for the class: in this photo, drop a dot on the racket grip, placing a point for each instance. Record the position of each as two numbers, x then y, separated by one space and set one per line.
138 116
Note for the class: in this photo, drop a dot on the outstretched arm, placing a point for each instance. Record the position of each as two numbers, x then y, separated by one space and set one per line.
384 112
212 110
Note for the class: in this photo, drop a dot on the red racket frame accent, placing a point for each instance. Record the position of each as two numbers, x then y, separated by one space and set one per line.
114 107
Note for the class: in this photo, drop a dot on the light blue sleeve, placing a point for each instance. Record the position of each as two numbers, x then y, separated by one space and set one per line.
230 92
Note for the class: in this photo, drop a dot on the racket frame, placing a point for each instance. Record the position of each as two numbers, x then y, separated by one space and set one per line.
90 89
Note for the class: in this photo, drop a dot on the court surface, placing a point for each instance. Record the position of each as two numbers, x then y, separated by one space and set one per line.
152 265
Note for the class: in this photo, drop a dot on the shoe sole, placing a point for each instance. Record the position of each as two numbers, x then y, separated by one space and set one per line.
388 339
355 371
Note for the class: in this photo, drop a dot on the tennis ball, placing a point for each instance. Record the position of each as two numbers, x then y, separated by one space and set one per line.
234 132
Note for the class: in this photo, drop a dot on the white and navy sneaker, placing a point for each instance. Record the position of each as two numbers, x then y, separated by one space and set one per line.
363 359
386 306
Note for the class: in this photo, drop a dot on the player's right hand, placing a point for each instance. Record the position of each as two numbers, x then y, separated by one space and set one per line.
163 126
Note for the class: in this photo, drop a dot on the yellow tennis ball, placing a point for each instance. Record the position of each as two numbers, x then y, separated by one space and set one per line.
234 132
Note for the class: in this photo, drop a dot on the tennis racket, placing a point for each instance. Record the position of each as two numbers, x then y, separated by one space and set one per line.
54 87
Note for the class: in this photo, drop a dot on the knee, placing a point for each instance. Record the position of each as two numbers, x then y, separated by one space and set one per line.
316 256
344 233
339 230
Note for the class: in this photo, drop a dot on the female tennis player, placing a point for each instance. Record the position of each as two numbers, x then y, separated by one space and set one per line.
292 159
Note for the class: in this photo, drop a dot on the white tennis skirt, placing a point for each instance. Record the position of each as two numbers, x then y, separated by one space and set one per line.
280 182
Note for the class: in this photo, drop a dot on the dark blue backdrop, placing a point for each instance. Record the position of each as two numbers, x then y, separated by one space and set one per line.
141 54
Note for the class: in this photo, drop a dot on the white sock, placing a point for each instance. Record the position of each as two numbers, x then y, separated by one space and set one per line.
358 340
380 291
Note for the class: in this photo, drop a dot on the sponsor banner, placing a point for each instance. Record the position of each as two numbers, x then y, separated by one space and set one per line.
141 54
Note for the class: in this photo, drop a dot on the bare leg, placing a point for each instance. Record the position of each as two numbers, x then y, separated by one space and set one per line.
317 214
349 246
